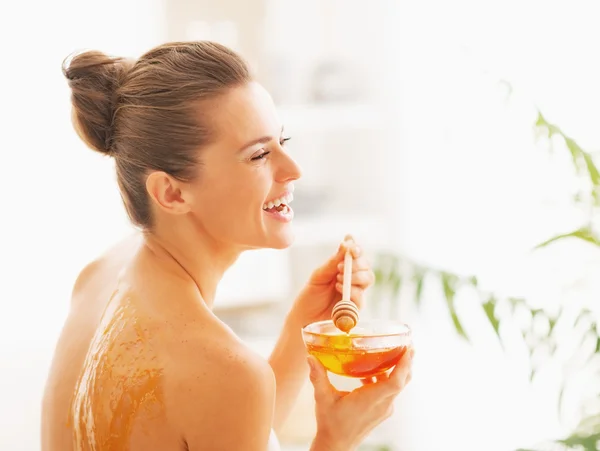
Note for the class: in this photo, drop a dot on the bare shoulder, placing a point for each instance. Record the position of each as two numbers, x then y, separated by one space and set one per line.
109 263
220 395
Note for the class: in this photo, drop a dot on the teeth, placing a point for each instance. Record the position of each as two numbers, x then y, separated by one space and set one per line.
285 210
277 202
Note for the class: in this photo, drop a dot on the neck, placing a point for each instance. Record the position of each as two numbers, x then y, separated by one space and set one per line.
195 255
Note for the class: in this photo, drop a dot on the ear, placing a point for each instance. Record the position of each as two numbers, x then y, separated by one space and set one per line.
168 194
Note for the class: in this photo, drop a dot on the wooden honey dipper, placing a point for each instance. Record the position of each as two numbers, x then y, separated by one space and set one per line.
345 313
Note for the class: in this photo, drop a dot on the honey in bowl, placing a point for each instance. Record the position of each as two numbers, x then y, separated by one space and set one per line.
369 349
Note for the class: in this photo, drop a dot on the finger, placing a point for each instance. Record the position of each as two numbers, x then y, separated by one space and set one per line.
368 380
411 355
374 379
358 264
399 376
325 273
351 246
391 385
362 279
333 262
384 377
356 294
323 390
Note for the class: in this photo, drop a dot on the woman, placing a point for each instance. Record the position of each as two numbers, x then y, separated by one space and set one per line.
142 362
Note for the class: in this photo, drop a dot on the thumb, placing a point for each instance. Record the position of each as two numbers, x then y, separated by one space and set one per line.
318 377
330 268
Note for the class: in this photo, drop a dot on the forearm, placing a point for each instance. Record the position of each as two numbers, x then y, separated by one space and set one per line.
288 361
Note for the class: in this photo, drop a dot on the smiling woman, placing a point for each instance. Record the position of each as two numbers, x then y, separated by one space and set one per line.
142 361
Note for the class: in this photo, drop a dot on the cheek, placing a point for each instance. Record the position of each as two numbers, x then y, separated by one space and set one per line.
232 194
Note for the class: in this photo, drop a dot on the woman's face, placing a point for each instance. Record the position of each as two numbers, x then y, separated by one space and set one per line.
245 180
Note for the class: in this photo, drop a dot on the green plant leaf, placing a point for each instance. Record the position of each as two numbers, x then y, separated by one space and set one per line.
576 152
580 157
552 324
592 169
552 129
449 285
457 325
473 281
584 233
379 277
394 266
449 282
537 311
396 284
532 374
584 442
418 278
561 395
489 308
583 314
515 302
589 424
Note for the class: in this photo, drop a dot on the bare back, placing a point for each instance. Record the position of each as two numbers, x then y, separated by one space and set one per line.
114 382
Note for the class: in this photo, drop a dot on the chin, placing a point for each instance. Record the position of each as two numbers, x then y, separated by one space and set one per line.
281 239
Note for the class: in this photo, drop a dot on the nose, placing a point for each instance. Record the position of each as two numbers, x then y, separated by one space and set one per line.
288 170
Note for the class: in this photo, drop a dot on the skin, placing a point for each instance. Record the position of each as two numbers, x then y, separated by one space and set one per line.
142 362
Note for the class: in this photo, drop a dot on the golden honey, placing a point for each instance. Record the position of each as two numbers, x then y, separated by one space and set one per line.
339 356
120 383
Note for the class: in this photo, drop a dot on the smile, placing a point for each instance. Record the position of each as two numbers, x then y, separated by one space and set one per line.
279 208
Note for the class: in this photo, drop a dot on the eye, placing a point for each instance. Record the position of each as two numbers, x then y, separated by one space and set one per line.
284 140
262 156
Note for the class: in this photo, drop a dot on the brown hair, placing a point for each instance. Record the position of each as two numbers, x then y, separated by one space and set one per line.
147 114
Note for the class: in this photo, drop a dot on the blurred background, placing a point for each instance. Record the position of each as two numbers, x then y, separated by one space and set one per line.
450 138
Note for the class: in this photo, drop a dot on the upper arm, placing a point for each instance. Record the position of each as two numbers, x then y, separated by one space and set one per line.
224 403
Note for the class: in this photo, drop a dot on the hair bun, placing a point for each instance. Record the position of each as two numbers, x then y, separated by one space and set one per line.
94 79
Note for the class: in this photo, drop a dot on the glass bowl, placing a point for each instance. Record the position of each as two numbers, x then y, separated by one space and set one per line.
371 348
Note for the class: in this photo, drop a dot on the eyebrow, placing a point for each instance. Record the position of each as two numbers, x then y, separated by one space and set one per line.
263 140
